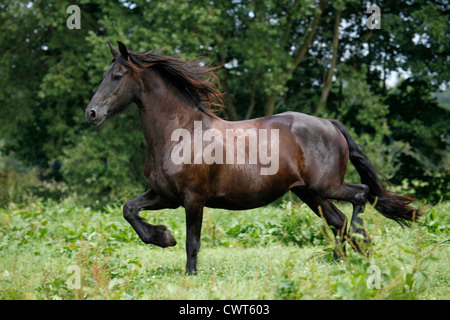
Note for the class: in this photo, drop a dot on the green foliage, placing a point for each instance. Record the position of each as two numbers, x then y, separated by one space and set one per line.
38 243
106 164
422 150
48 73
22 184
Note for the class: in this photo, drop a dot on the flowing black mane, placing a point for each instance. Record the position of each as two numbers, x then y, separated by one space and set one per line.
193 79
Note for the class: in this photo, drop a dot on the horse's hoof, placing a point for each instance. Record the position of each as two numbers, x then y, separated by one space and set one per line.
170 240
163 237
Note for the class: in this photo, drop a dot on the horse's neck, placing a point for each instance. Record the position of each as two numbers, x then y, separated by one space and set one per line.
162 112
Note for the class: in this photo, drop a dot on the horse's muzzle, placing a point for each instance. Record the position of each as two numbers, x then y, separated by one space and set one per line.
95 115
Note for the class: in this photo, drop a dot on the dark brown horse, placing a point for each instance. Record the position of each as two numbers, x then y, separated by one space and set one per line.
196 159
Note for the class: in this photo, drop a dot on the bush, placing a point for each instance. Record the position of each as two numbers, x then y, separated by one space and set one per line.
105 166
290 224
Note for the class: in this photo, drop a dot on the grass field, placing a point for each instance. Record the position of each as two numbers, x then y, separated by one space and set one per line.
63 251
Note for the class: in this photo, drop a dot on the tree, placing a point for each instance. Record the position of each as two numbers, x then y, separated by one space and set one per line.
420 129
314 56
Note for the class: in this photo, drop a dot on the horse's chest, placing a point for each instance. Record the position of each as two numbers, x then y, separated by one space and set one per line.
158 180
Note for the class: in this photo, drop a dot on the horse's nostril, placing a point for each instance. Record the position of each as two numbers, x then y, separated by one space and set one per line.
92 114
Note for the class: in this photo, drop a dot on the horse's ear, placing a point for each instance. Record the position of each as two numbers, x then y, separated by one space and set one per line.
113 50
123 50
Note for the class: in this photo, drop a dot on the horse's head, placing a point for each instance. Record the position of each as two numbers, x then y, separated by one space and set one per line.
117 90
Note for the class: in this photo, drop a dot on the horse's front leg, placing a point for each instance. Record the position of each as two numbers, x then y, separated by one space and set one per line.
194 216
150 234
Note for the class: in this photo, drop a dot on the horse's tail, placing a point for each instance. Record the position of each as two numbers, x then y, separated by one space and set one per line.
389 204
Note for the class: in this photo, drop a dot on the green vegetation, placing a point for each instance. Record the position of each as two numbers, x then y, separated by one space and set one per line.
268 253
63 182
271 56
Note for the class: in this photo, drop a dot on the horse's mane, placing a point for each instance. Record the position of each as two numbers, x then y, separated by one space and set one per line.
193 79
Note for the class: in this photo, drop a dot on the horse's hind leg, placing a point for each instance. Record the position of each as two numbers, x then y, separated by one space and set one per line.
158 235
357 195
332 215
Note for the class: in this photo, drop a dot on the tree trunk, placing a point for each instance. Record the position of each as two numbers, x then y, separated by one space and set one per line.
330 71
230 109
269 107
251 106
299 55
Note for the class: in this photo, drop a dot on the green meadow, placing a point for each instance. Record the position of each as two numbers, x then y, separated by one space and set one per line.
52 250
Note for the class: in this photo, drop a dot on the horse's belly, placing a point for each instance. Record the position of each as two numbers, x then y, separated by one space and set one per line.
243 189
243 201
231 205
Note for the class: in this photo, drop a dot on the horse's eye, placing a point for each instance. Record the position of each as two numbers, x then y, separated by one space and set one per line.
117 76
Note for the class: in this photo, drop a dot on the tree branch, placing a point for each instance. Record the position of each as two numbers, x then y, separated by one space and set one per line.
333 62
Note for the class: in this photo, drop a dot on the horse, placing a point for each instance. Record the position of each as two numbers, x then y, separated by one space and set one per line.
189 164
